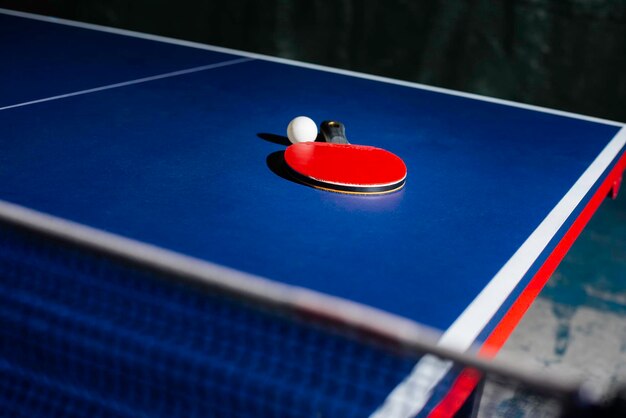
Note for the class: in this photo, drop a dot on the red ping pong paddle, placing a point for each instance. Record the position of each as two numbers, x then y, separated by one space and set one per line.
339 166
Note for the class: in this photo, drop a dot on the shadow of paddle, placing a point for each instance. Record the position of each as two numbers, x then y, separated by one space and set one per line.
276 163
276 160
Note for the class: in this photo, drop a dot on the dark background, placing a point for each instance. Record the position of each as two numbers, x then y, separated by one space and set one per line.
565 54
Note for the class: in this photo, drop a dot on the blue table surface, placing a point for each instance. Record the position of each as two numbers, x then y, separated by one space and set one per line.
186 163
41 59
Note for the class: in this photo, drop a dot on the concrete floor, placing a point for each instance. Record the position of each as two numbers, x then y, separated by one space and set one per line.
577 327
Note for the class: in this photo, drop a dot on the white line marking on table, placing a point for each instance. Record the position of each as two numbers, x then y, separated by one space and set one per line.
131 82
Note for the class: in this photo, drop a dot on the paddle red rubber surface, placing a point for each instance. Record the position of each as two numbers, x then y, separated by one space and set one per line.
345 167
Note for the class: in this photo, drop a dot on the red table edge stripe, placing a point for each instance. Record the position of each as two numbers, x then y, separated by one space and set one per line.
469 378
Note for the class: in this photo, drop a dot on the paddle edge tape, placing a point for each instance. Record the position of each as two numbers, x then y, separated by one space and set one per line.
347 188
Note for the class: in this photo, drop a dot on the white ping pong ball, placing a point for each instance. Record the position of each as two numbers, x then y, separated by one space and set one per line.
302 129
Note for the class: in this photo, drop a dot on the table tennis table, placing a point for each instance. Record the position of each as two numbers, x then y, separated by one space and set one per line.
156 259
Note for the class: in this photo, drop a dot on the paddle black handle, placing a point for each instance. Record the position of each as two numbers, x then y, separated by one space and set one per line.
334 132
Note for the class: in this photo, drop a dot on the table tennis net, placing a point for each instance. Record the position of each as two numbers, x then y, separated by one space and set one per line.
87 335
83 334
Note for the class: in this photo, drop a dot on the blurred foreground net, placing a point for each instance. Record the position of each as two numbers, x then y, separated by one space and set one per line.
84 334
